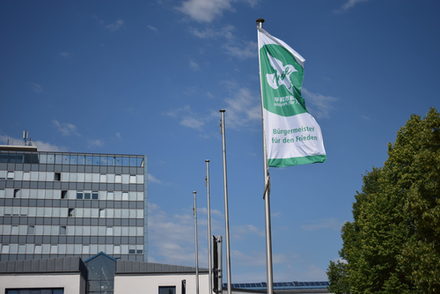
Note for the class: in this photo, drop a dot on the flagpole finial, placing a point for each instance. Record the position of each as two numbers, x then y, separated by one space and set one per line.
207 160
222 110
260 22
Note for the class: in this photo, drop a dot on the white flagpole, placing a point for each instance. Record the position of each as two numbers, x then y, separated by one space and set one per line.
208 201
269 264
225 191
196 242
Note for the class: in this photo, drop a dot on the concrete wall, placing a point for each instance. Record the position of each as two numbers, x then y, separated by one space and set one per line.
149 284
72 284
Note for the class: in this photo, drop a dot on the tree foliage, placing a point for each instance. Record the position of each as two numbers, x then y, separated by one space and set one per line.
393 243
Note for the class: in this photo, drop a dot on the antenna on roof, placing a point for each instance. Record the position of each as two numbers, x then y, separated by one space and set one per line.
26 139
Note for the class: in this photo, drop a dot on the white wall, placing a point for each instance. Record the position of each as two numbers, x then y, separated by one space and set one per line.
149 284
72 284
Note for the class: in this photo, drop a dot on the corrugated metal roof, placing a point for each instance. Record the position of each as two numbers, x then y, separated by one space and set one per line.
135 267
68 264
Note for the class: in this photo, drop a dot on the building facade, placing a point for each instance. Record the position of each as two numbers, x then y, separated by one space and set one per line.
71 204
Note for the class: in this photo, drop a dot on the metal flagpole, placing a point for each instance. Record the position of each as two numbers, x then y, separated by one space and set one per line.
269 264
208 201
196 241
225 190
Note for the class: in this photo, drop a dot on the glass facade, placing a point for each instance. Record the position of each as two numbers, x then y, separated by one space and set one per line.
60 204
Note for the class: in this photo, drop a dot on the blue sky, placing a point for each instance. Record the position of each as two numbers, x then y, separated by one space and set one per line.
148 77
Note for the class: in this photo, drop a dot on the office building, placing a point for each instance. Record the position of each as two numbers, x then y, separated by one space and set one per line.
57 204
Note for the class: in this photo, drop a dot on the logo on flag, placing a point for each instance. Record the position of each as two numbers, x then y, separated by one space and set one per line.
292 135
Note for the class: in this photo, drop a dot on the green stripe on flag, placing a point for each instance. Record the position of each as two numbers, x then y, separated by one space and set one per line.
283 162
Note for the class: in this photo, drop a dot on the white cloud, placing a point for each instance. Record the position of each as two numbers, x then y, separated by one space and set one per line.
115 26
66 129
152 28
242 108
318 104
96 143
323 224
204 11
153 179
241 49
171 236
241 231
187 117
194 65
225 32
41 145
349 4
37 88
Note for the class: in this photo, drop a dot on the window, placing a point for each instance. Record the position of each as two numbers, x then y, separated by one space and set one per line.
57 177
167 289
10 175
118 179
94 195
63 230
103 178
71 212
31 230
134 251
79 195
17 193
139 251
63 194
35 291
109 231
86 195
132 179
183 286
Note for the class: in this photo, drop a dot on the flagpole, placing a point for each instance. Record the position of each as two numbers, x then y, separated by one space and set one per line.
225 191
208 201
196 242
269 264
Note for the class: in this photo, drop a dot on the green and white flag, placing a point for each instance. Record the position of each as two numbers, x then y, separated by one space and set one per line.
292 135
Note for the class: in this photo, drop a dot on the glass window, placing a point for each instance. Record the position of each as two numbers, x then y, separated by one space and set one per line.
22 249
110 178
101 212
117 249
58 159
79 195
132 179
57 177
88 178
139 179
124 195
95 178
18 176
69 249
65 177
31 230
167 289
14 230
110 195
89 159
86 249
38 249
26 176
73 177
50 158
118 179
3 174
118 161
109 231
43 158
73 159
103 178
10 175
46 248
5 249
53 249
94 195
66 159
87 195
63 230
81 177
125 179
81 159
118 195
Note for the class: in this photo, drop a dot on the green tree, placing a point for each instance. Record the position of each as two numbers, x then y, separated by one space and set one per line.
393 243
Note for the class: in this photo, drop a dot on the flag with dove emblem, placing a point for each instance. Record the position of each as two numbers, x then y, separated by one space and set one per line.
291 133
